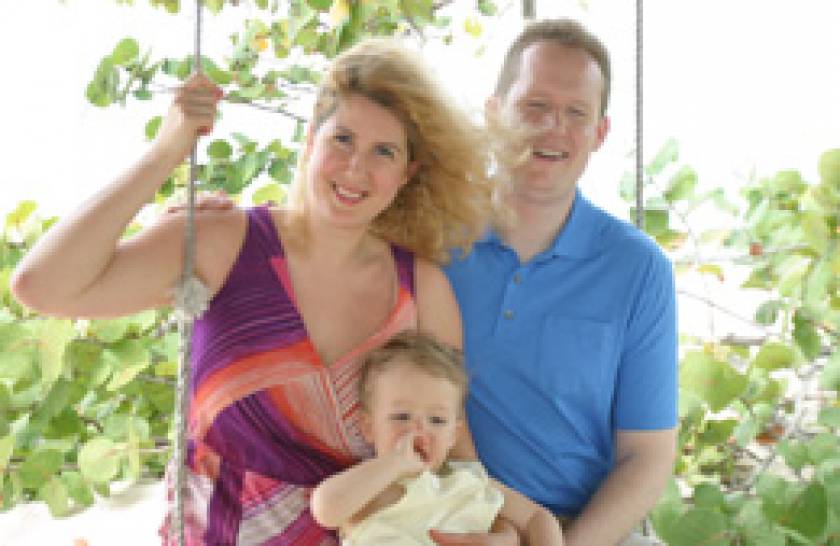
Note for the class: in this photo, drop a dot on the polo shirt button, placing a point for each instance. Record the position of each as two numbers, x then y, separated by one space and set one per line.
508 314
517 278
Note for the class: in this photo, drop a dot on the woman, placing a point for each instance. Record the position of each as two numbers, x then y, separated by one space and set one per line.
391 177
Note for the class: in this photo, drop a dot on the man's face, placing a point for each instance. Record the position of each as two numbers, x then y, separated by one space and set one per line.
558 95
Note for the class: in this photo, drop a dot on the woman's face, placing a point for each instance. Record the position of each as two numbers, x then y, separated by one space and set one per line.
358 161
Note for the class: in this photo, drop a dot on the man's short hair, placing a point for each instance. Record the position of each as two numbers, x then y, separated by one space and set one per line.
566 32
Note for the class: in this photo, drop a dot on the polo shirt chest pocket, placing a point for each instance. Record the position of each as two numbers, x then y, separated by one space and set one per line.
577 357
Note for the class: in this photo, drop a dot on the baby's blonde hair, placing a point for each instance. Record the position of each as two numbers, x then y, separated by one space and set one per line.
421 351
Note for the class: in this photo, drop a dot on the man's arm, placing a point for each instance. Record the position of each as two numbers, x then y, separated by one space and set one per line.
644 462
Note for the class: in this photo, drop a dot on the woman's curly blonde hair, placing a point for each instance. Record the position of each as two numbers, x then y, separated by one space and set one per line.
448 202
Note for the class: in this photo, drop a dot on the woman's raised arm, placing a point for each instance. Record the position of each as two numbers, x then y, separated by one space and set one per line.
80 267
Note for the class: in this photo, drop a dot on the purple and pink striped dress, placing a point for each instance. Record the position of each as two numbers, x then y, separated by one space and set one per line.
268 420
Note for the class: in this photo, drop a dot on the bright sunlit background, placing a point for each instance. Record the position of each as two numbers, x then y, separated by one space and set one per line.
745 86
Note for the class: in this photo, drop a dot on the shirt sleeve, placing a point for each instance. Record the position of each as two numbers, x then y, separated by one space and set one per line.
646 392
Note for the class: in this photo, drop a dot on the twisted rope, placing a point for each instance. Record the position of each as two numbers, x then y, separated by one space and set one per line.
191 299
640 173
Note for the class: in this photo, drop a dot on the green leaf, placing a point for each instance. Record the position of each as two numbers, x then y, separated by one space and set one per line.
215 6
664 157
125 51
320 5
418 9
99 460
806 336
219 149
746 431
808 513
829 168
768 312
667 513
656 221
707 495
815 229
700 526
127 352
682 185
109 331
271 193
487 8
152 127
279 170
77 488
7 446
823 447
54 493
830 376
712 269
212 71
831 482
774 493
718 431
472 26
102 90
53 336
786 183
39 467
166 369
133 453
21 213
829 417
795 453
250 165
774 356
307 38
717 383
17 366
144 320
123 377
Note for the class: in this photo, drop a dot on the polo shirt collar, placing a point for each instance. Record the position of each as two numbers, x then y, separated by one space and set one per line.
575 240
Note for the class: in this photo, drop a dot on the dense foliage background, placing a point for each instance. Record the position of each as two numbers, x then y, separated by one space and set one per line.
86 403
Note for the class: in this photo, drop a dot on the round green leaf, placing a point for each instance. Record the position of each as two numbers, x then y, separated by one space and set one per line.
39 467
78 490
823 447
717 383
794 453
54 493
219 149
809 512
700 526
829 417
773 356
125 51
99 460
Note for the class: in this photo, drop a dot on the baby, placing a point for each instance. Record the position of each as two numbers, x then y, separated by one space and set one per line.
412 394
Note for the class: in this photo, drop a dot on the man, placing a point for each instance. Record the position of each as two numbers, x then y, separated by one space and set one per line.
569 313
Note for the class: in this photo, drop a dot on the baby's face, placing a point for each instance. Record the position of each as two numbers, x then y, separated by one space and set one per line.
406 399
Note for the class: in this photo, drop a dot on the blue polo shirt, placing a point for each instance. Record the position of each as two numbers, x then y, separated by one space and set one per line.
564 350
